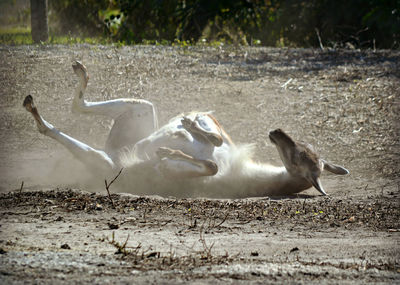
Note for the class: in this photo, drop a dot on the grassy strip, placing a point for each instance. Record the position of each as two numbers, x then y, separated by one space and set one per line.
22 36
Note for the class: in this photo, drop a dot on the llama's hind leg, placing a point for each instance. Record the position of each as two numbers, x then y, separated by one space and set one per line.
95 159
134 119
111 108
176 164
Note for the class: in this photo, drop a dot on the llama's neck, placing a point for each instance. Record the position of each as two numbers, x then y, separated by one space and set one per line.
268 180
258 180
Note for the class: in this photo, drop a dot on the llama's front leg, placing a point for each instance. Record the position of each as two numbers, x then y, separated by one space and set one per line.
205 128
176 164
95 159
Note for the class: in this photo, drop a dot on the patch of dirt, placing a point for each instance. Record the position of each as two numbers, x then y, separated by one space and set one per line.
81 236
345 103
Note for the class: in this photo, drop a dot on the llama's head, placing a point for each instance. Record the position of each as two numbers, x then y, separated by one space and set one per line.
301 160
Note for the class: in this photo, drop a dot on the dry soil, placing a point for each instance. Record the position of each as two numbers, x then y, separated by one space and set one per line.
59 228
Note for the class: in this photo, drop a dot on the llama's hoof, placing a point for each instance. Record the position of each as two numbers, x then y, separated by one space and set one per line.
80 70
28 103
187 124
194 128
77 65
43 126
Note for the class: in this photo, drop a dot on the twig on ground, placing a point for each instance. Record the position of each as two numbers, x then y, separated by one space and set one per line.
207 249
120 247
108 186
286 83
223 220
213 225
319 39
22 186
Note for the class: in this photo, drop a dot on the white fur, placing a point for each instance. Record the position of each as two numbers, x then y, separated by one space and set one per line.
136 144
238 176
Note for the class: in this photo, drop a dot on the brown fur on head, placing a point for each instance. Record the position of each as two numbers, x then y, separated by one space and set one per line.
299 159
302 161
295 156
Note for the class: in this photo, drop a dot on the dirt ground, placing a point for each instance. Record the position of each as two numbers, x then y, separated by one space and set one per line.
57 227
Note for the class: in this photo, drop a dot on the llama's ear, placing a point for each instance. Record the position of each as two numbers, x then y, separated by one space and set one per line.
336 169
316 182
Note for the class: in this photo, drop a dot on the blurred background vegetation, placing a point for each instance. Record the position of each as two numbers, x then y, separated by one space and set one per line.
283 23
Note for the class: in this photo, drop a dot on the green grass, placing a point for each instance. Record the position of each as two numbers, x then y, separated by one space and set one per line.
22 36
77 40
16 36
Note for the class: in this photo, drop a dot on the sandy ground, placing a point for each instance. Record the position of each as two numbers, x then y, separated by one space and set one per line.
62 228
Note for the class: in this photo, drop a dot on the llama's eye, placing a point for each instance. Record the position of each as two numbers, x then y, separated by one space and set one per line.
303 154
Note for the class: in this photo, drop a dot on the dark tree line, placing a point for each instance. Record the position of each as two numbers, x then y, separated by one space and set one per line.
361 23
39 25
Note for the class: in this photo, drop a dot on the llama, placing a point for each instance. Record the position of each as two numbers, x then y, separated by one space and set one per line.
191 155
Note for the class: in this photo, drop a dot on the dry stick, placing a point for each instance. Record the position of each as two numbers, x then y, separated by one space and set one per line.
108 186
22 186
207 248
319 39
286 83
223 220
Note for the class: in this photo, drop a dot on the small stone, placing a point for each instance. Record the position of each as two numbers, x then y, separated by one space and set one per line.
352 219
59 219
113 226
65 246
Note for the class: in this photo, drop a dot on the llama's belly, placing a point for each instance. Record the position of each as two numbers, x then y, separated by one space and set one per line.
222 157
173 136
